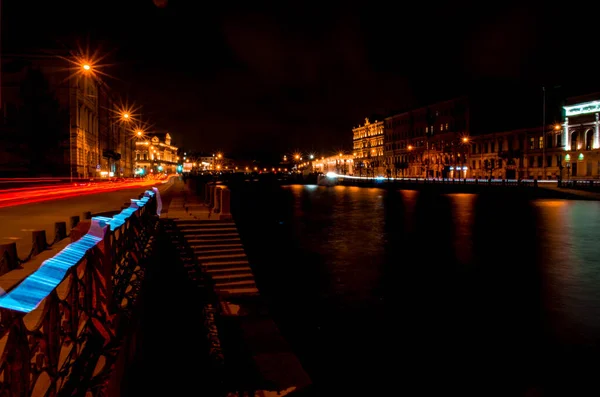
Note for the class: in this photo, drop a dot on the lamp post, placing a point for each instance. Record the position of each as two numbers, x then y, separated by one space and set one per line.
85 69
465 143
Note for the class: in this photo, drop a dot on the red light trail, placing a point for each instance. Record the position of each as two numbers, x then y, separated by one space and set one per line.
30 195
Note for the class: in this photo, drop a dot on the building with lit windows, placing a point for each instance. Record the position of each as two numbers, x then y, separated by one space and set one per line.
430 140
580 137
155 154
566 150
368 148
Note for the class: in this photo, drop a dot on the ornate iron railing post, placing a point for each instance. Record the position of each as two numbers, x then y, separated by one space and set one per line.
59 327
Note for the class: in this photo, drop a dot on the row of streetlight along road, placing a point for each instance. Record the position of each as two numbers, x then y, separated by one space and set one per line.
126 113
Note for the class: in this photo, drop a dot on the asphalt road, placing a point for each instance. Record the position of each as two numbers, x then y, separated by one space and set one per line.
17 223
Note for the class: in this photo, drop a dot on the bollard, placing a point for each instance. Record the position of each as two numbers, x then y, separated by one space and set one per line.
87 215
217 207
8 257
225 205
209 194
211 203
74 221
38 241
60 231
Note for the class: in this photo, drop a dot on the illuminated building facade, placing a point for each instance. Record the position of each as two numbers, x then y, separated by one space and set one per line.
340 164
580 138
368 148
155 154
431 141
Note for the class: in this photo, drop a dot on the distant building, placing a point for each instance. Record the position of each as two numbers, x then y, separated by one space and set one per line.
580 136
155 154
342 164
368 148
427 141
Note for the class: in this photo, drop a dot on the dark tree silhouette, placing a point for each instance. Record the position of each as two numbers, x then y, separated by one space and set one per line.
43 125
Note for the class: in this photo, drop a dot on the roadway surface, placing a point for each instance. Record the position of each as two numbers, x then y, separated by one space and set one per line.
17 222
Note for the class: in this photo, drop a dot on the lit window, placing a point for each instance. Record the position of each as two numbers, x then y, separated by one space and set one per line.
541 142
446 126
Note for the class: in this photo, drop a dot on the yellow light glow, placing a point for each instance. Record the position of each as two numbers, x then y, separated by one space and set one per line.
409 147
465 139
125 115
139 133
86 66
341 154
557 127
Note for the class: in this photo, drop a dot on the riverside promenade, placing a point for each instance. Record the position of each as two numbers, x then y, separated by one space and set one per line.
224 326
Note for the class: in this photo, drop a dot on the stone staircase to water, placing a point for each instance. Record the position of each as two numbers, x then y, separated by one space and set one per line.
219 251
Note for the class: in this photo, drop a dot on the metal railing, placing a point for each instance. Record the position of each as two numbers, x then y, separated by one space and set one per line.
61 326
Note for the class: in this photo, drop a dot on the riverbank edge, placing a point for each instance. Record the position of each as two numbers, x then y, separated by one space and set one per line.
280 369
542 191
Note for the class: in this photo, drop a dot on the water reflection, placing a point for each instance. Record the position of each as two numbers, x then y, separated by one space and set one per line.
381 290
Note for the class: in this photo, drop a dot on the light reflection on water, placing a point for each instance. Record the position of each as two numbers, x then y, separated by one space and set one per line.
376 287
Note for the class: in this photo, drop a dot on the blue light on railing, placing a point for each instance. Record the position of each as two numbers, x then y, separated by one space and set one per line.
37 286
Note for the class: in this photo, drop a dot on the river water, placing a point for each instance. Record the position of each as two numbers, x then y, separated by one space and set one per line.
381 291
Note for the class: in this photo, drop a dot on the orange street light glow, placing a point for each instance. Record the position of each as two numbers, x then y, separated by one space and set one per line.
86 66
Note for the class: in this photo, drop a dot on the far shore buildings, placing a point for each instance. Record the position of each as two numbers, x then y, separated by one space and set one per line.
154 154
444 140
368 148
342 164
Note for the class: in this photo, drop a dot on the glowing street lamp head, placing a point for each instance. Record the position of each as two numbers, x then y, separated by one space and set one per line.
139 133
312 156
86 67
126 116
557 127
465 139
296 156
409 147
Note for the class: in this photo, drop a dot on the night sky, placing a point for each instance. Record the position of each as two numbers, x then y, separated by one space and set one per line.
273 78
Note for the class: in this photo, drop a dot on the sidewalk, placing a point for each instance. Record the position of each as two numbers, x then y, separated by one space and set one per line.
185 205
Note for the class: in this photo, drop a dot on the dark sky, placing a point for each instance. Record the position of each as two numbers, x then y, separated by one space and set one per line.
274 77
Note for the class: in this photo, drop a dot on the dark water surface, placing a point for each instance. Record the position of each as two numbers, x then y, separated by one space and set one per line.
422 294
